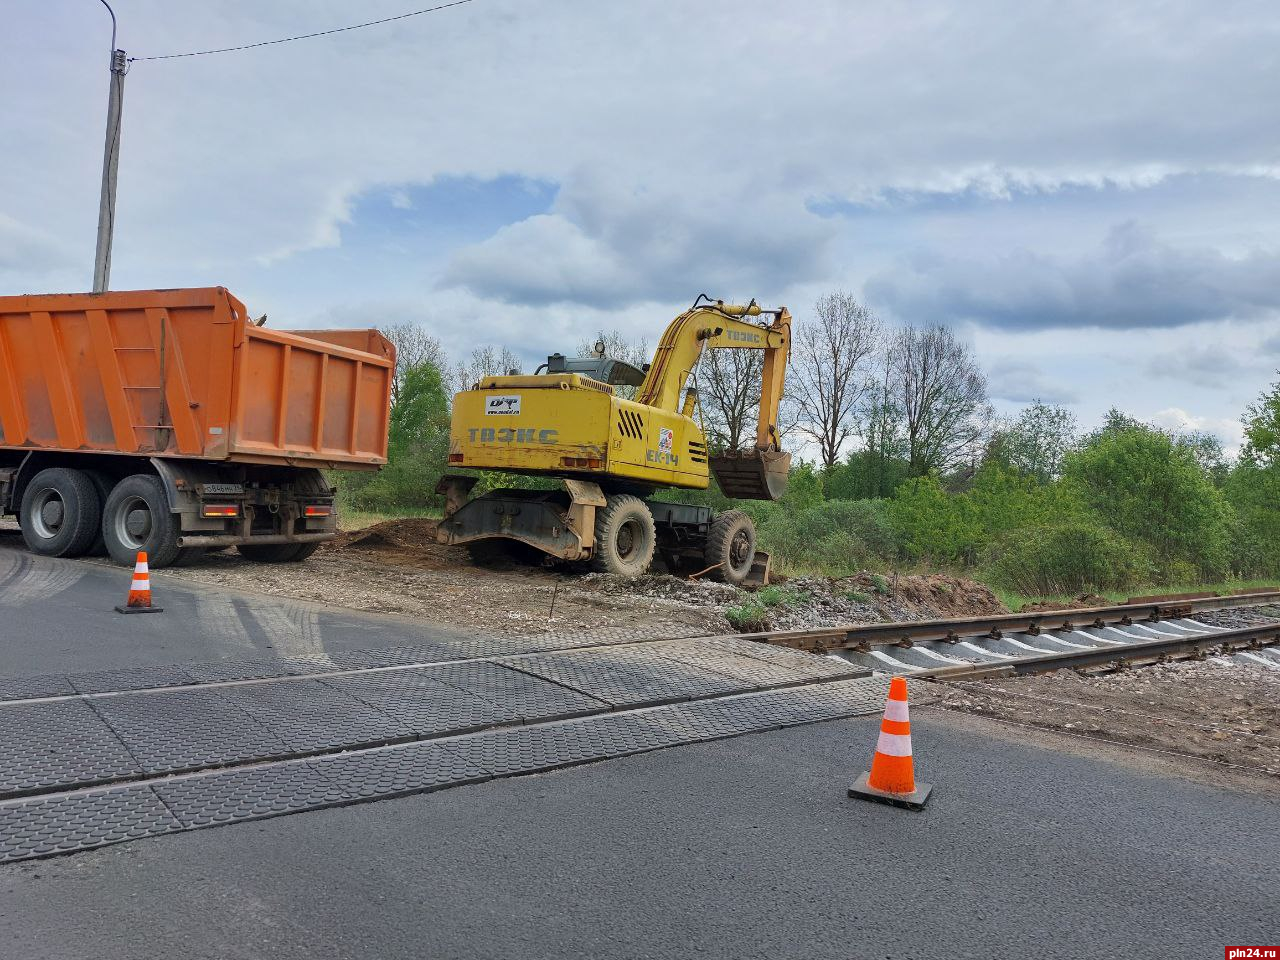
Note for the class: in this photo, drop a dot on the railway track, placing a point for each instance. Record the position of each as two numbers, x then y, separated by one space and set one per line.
1151 630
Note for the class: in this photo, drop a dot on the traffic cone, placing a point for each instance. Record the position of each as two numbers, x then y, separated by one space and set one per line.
892 778
140 589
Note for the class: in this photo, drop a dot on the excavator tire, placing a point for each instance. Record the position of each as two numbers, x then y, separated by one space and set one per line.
625 536
731 543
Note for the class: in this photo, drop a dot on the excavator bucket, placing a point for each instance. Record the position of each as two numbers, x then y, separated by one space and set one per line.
752 474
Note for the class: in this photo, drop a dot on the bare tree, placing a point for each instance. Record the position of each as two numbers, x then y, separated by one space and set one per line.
828 380
729 384
884 431
618 347
942 394
413 346
485 361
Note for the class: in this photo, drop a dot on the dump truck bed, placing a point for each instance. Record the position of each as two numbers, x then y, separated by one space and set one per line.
185 373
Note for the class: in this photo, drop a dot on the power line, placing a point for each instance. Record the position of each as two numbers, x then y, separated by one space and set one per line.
307 36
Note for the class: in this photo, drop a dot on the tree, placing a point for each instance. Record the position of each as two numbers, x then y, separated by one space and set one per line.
942 393
485 361
729 385
417 445
883 429
1035 443
1253 488
618 347
1262 428
1151 489
828 380
414 346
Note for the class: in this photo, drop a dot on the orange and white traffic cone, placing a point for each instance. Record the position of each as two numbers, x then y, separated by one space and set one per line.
140 589
892 778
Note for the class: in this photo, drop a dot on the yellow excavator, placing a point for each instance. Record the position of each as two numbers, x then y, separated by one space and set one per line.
571 421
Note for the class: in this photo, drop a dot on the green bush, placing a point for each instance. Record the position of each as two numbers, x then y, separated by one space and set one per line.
1152 489
1066 559
837 538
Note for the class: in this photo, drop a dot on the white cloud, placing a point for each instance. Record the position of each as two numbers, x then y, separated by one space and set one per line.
1134 280
1230 432
690 142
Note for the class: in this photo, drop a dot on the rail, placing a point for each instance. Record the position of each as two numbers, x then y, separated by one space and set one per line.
866 636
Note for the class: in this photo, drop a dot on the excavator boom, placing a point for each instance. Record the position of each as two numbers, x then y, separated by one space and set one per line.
757 474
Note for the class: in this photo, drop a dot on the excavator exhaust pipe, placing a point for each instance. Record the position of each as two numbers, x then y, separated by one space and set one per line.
752 474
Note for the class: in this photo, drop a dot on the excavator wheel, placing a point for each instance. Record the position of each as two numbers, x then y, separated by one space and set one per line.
625 536
731 543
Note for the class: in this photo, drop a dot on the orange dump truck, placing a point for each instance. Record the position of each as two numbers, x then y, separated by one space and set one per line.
167 421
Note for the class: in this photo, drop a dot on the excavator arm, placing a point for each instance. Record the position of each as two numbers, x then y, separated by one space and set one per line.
758 474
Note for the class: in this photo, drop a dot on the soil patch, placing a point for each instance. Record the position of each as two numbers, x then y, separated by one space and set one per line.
397 567
1215 709
1076 603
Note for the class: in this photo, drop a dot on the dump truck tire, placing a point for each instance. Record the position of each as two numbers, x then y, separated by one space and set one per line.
303 551
625 537
137 517
731 543
60 514
102 484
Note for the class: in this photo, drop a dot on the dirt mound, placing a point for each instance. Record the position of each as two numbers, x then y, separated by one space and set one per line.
409 542
1075 603
936 595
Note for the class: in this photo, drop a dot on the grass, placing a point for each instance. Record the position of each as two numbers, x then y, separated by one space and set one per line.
748 617
778 596
1016 601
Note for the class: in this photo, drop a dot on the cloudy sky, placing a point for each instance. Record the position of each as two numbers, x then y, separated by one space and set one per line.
1089 192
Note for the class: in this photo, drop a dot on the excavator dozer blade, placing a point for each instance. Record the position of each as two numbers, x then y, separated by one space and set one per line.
752 474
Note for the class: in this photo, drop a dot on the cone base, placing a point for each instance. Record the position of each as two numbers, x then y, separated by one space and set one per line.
139 609
909 801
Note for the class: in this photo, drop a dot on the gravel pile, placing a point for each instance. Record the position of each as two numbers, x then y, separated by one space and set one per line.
1240 618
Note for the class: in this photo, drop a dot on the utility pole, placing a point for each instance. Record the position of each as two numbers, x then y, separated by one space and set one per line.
110 161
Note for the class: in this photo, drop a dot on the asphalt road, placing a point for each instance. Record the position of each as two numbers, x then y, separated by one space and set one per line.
58 616
739 848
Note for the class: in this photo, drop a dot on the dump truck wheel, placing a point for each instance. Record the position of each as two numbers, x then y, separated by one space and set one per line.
731 542
60 514
303 551
625 537
268 552
102 484
137 517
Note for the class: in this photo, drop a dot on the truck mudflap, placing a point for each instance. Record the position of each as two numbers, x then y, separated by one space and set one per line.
560 523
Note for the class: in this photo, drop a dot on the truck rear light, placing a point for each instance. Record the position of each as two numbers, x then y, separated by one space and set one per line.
582 463
221 510
455 458
317 510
